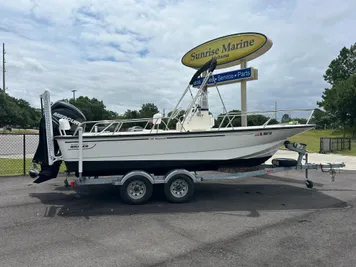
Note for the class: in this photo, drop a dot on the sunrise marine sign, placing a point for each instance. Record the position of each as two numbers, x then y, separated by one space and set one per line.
229 50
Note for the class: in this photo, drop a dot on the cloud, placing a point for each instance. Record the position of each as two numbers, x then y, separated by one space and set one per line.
129 53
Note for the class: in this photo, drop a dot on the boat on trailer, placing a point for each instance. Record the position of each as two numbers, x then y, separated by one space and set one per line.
194 144
171 147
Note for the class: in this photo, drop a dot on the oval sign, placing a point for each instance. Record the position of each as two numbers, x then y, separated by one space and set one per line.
229 50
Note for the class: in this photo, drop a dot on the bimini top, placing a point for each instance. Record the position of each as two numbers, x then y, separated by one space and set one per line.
208 66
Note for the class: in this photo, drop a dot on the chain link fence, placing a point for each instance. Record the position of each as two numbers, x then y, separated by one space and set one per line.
16 153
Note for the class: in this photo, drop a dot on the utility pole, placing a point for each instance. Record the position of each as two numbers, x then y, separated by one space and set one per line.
74 94
275 108
3 67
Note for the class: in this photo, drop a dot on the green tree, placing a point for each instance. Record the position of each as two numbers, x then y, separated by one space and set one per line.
172 123
92 108
9 112
346 102
225 121
258 119
300 120
336 100
342 67
131 114
148 110
342 104
330 106
322 119
17 113
29 116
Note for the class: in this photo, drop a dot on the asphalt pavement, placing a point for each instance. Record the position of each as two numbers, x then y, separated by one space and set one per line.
264 221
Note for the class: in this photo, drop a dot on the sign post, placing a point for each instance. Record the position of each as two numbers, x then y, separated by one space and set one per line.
243 98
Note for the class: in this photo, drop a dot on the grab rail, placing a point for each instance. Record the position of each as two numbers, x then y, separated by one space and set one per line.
230 115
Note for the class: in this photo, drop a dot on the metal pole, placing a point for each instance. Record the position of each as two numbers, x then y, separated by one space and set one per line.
24 154
306 170
204 98
80 151
3 67
74 94
243 98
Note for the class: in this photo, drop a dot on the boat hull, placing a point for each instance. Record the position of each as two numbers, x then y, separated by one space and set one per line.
103 168
160 153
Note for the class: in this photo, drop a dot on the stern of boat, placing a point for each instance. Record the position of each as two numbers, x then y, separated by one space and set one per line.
55 118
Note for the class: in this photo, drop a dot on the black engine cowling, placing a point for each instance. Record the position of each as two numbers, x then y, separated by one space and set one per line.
59 110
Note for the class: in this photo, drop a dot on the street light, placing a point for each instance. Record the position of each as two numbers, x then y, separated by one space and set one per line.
74 94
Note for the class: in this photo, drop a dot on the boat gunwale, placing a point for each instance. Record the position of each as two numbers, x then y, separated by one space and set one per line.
170 133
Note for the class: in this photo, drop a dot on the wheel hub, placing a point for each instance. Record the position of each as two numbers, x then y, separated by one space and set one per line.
179 188
136 189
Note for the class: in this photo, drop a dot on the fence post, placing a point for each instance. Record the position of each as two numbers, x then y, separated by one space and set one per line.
24 154
338 144
343 144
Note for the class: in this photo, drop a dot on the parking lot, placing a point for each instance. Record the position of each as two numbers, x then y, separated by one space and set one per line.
264 221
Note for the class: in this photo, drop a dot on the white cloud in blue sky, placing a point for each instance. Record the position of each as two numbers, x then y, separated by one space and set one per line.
128 52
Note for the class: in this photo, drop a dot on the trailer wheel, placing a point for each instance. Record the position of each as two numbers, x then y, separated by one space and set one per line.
179 188
309 184
136 190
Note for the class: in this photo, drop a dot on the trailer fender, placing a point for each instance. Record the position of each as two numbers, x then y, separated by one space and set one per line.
173 173
140 173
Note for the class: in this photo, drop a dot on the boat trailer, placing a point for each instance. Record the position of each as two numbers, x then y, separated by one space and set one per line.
136 187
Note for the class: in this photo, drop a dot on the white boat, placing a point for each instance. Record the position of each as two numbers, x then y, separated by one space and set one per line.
195 143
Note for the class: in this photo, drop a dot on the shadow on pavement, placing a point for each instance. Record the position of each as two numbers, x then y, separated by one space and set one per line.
209 197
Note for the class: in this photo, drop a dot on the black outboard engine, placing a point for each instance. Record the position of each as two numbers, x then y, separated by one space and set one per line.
59 110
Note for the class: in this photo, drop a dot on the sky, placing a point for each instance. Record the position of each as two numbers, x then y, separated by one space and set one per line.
128 52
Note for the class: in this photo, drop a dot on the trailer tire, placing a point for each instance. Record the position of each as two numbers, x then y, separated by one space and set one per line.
136 190
179 188
284 162
309 184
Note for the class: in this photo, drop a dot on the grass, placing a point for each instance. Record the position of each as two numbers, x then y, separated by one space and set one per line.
20 131
15 167
312 140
